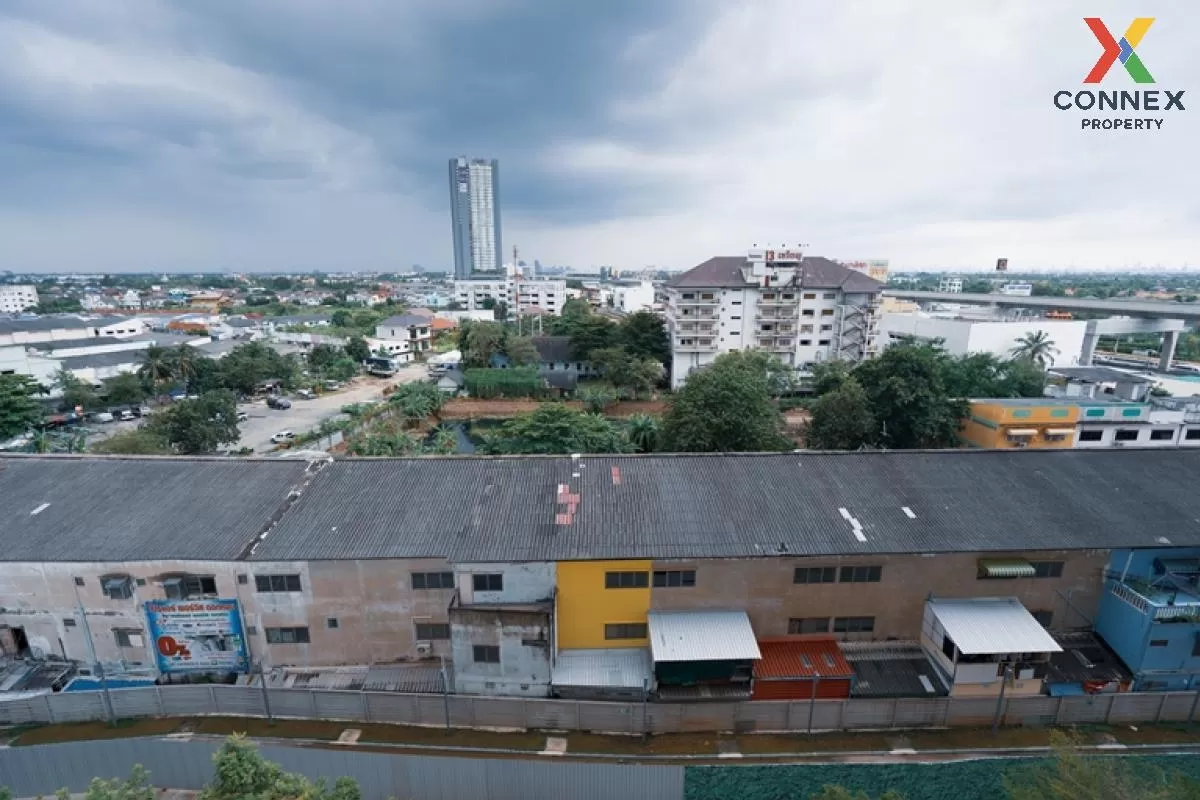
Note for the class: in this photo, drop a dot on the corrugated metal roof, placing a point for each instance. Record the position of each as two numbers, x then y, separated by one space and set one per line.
701 636
801 657
816 273
992 625
624 668
137 509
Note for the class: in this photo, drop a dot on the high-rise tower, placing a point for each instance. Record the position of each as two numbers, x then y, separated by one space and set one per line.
475 216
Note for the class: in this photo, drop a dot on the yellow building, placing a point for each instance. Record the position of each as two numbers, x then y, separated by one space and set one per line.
1040 422
602 604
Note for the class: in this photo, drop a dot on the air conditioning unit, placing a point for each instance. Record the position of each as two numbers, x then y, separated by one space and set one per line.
424 648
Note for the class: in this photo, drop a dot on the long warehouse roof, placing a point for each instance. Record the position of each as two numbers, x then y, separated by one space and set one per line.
549 508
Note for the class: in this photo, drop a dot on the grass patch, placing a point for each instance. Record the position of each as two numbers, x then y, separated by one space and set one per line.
83 731
371 733
671 744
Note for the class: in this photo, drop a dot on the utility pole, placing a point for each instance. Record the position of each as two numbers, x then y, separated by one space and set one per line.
445 693
1008 671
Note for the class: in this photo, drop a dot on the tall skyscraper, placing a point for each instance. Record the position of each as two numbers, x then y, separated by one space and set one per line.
475 216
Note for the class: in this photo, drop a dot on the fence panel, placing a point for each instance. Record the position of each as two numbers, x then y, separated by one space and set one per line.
77 706
185 701
613 717
551 715
20 712
1130 707
135 703
1088 710
971 710
1180 707
398 708
291 703
700 717
239 701
339 705
921 712
762 715
867 713
1030 711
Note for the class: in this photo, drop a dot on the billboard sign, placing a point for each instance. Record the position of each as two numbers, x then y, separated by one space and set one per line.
197 635
1001 264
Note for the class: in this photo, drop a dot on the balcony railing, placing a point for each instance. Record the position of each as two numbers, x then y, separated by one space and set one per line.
1157 611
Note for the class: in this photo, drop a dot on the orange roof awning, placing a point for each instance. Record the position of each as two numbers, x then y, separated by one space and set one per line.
801 657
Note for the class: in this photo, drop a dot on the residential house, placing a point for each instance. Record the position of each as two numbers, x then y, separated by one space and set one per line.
415 329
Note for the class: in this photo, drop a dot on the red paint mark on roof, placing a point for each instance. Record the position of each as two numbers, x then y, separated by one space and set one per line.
616 476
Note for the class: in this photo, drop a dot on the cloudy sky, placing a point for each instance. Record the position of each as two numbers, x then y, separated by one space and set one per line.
309 134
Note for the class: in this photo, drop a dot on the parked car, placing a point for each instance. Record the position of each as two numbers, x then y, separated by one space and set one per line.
280 403
141 411
102 416
242 416
127 415
283 437
332 386
305 394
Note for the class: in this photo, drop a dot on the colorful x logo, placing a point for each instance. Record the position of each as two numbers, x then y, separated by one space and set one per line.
1122 50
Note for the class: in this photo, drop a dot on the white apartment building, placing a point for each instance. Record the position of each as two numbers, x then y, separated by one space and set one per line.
802 309
628 299
520 294
17 297
950 284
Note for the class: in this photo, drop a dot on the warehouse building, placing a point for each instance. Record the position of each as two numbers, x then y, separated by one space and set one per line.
597 576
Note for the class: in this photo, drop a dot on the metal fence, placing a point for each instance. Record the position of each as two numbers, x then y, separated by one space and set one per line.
467 711
181 764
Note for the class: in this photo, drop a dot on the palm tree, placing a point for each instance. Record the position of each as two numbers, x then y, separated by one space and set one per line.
183 363
156 365
643 432
1036 346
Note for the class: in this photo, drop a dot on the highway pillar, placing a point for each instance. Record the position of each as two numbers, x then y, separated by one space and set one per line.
1090 338
1167 353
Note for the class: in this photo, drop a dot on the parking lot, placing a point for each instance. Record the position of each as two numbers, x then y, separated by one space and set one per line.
306 415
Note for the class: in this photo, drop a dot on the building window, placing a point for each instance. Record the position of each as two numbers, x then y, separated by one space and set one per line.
117 587
1091 436
1047 569
295 635
1126 435
1162 435
823 342
853 624
1043 617
242 578
1159 642
128 638
814 575
861 574
826 312
1192 434
808 625
675 577
490 582
1196 646
625 630
626 580
186 586
807 328
433 580
433 631
68 622
810 295
808 312
805 342
830 296
277 583
331 623
78 581
826 327
486 654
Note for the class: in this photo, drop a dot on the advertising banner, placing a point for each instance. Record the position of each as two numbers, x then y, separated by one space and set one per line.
197 635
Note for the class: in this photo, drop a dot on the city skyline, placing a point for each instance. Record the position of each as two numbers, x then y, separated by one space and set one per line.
155 137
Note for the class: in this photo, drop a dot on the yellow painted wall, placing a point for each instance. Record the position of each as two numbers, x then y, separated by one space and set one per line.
988 424
585 606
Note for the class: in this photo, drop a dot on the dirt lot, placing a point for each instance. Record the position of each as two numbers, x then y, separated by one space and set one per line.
467 408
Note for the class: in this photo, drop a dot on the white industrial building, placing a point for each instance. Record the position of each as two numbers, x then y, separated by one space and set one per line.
639 297
802 309
960 335
950 284
519 294
15 298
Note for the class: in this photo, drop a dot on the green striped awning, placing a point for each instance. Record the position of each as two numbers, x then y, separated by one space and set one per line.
1005 568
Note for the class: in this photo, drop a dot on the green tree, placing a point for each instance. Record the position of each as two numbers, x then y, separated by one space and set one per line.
183 361
555 429
358 349
193 427
520 350
908 395
726 407
341 318
480 341
1036 346
829 375
322 356
75 392
597 400
643 432
155 366
416 401
841 420
248 365
124 389
138 442
643 375
589 333
1073 776
644 335
613 363
19 411
135 787
241 773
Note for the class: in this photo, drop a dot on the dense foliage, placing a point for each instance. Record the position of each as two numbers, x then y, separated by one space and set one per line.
728 406
555 429
202 425
19 411
513 382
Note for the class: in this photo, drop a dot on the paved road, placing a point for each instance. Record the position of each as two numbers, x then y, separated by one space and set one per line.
306 415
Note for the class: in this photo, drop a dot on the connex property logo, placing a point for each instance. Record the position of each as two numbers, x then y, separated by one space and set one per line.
1124 50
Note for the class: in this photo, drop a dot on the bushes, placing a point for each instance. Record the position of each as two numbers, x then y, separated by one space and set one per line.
487 384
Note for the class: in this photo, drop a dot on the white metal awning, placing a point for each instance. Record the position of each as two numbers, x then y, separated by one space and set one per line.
1059 431
1022 431
701 636
991 626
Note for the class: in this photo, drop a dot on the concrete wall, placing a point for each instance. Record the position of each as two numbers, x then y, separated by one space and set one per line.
373 602
765 589
525 640
585 606
527 582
